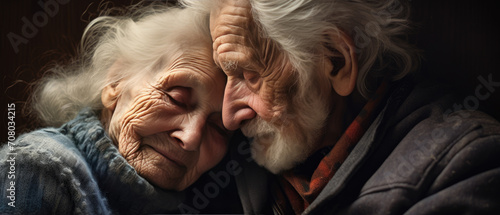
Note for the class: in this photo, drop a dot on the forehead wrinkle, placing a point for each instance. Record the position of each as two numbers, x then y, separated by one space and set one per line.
191 72
238 54
235 20
196 60
229 29
236 7
232 18
224 32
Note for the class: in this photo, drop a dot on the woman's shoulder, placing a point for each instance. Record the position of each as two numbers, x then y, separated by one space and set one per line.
48 168
54 143
39 145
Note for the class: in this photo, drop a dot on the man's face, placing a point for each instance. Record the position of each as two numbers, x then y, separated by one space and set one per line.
260 90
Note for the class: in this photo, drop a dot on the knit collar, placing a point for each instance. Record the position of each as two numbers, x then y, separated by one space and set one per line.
127 192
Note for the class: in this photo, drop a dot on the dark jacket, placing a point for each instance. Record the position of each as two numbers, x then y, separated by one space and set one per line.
421 155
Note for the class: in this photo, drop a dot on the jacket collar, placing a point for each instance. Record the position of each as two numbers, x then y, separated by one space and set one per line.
363 148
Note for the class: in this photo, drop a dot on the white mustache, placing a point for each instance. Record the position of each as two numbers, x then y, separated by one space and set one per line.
259 128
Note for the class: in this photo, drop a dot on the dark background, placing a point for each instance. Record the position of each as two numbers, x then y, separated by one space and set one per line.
54 40
459 39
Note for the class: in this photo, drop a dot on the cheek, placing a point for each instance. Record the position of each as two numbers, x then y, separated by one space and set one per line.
260 101
281 78
262 105
137 120
211 152
277 96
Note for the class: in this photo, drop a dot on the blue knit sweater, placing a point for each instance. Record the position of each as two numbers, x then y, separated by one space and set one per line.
75 169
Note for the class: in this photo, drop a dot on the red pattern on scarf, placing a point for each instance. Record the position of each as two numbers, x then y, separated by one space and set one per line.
301 190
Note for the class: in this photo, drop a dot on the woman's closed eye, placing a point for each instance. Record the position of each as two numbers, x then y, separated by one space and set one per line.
180 96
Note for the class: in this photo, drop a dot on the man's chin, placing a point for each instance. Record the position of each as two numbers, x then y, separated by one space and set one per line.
281 147
279 153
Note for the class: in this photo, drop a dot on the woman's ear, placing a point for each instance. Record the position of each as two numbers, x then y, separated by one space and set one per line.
109 96
342 55
110 93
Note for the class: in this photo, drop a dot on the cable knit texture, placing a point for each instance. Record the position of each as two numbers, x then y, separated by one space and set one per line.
75 169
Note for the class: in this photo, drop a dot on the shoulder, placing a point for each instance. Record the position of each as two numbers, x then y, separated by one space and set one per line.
431 119
32 160
430 154
49 173
440 156
427 130
45 146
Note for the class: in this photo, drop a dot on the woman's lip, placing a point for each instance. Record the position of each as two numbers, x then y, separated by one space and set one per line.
174 160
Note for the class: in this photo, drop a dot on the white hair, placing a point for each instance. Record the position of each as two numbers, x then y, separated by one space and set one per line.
140 41
299 29
378 29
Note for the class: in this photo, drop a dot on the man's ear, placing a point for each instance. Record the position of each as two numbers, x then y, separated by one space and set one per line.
342 55
110 93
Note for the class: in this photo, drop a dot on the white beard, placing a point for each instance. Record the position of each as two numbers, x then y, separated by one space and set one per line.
281 148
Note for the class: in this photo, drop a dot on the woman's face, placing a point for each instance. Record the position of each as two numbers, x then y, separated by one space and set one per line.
170 125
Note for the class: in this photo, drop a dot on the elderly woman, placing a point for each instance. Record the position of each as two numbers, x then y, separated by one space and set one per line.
138 117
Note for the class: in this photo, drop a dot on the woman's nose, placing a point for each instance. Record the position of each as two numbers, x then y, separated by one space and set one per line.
234 108
191 133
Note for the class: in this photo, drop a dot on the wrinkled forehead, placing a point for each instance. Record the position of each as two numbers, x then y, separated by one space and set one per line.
234 34
231 12
238 42
182 57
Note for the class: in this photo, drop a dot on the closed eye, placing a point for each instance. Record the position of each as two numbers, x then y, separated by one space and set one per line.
253 79
176 102
178 96
251 76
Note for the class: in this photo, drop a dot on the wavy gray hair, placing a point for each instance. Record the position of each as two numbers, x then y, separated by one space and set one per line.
140 40
378 29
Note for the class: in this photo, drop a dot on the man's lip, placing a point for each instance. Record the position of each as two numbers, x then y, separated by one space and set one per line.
174 160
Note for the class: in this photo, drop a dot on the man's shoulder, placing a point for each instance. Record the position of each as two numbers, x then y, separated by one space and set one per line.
433 114
434 159
426 124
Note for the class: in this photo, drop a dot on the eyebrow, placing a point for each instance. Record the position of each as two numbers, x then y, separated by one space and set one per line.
229 67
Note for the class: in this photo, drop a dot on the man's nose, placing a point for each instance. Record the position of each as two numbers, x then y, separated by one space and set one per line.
235 108
191 133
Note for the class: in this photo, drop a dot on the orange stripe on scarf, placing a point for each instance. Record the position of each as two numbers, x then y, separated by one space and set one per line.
301 190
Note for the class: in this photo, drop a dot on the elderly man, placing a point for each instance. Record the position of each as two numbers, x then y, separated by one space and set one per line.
322 90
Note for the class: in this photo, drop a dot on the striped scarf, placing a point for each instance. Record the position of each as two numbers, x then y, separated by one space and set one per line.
302 189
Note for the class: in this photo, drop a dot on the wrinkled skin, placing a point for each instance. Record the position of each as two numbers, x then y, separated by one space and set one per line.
246 58
260 90
169 126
